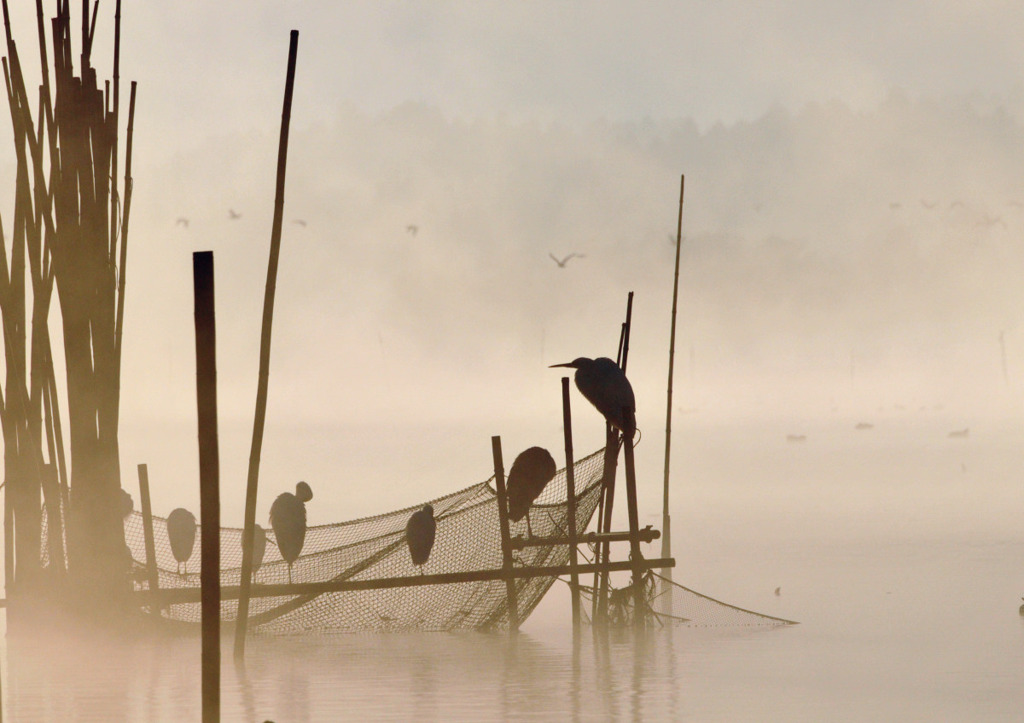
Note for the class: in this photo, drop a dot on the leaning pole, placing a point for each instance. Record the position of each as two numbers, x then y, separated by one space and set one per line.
264 373
666 518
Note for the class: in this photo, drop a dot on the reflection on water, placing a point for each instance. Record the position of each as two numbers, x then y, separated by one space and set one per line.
887 554
860 653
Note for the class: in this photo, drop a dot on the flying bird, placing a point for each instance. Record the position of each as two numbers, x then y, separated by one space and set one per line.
259 547
419 534
182 221
928 204
531 471
563 262
300 222
605 386
288 520
412 229
232 215
181 532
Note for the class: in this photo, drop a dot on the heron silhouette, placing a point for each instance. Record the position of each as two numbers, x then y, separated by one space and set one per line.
604 385
181 533
419 534
563 262
259 547
531 471
288 520
233 215
126 504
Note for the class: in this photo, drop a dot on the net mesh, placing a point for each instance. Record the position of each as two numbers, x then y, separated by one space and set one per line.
468 538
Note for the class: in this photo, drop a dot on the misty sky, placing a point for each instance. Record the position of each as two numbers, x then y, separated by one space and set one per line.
812 135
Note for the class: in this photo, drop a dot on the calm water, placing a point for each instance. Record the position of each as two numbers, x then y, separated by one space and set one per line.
897 552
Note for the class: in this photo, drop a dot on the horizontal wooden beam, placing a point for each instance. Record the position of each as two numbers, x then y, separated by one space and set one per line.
647 534
170 596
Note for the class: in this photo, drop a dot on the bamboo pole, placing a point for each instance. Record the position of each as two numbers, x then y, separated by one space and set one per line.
611 461
261 392
570 496
209 479
506 547
178 595
147 531
639 603
666 519
646 534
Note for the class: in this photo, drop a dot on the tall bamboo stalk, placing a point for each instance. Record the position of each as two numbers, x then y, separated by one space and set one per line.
67 230
666 519
264 372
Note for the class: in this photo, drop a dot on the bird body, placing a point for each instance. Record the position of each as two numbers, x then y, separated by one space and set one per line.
531 471
288 520
181 533
419 534
126 503
259 547
605 386
561 263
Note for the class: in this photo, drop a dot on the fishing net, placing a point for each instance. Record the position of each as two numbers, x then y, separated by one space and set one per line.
468 539
668 604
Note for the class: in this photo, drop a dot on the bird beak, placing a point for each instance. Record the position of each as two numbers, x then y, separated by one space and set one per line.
567 364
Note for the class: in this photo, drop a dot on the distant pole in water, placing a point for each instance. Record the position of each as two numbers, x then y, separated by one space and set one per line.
261 392
666 518
209 481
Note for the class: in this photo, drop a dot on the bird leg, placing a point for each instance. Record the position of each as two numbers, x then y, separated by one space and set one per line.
529 530
289 573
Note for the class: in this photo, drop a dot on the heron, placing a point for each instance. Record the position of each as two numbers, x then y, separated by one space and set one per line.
259 547
419 533
126 504
181 532
563 262
605 386
233 215
288 519
531 471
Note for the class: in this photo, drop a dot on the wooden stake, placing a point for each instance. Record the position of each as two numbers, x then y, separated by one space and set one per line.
611 461
639 601
506 547
209 480
147 531
261 392
666 520
570 496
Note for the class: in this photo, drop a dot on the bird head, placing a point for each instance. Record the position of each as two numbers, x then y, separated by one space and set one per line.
303 492
429 509
575 363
